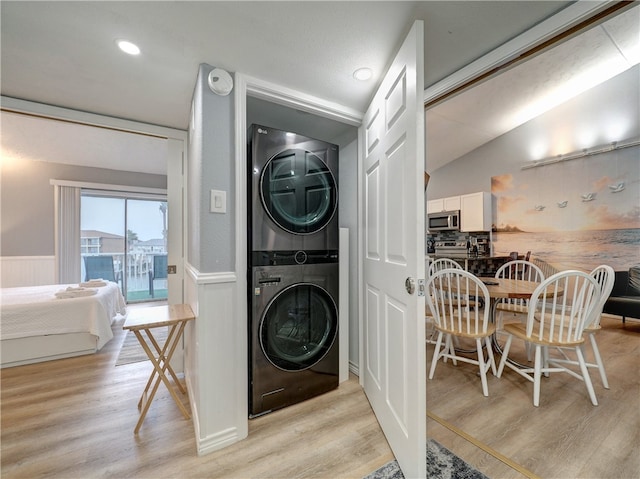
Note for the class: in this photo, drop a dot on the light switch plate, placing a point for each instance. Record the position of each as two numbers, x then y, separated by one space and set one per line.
218 201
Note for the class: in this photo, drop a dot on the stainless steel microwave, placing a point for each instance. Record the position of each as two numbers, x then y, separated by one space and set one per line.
444 221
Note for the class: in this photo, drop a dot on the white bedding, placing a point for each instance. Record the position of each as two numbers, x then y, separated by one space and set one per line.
35 311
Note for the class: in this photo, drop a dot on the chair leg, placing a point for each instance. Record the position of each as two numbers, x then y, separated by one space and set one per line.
545 356
436 354
481 365
505 353
596 354
586 377
492 360
537 375
450 349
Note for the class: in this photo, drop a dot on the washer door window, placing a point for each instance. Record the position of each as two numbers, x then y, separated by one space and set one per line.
298 327
298 191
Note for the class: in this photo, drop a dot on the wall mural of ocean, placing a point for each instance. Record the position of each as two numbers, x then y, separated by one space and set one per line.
583 250
574 215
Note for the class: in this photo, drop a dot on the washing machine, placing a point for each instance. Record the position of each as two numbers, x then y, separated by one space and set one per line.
293 331
293 192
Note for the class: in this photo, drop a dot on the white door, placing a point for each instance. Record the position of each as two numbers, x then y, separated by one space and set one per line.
392 218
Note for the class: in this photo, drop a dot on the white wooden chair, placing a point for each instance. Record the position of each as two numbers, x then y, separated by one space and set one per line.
442 263
447 291
558 312
518 270
605 277
436 265
515 308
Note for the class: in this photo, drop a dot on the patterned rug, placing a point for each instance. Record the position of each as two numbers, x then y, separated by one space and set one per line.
132 352
441 464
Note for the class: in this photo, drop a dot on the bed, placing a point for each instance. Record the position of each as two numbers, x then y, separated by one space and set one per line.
38 325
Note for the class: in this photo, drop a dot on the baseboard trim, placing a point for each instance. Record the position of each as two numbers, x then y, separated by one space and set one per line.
217 441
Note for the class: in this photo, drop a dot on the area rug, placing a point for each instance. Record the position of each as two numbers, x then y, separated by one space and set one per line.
132 352
441 464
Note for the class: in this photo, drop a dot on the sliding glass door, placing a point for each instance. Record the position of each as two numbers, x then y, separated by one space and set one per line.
124 239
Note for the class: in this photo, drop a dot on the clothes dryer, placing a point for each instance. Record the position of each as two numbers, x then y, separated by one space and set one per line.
293 192
293 344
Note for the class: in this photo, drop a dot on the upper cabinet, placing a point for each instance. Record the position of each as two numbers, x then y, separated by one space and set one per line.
475 212
443 204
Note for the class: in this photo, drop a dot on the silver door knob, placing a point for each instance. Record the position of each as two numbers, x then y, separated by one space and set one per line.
410 285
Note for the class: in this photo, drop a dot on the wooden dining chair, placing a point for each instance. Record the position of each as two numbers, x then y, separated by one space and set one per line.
516 308
605 277
446 263
436 265
518 270
443 263
447 291
559 309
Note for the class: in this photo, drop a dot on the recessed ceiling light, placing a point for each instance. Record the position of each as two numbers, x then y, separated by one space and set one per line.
128 47
362 74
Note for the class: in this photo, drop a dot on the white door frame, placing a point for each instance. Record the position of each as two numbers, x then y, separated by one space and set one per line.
249 86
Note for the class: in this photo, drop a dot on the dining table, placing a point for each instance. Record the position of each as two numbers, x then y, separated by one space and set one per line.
506 288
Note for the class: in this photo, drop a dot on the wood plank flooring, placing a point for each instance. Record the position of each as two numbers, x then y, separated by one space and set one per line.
74 418
565 437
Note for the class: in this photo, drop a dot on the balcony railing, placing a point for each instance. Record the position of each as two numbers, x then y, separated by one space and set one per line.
135 278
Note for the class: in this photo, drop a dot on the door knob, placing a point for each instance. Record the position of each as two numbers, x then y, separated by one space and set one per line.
410 285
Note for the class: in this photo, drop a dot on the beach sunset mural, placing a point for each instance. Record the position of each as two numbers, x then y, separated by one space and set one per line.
573 214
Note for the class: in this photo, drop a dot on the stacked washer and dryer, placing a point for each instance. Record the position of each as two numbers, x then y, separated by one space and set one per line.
293 239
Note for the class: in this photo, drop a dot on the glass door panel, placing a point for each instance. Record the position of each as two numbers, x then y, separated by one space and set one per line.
146 250
131 234
102 236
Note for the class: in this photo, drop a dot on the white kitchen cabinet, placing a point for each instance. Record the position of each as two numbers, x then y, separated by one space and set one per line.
475 212
435 206
451 203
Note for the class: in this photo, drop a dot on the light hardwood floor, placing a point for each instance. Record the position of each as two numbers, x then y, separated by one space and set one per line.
566 436
74 418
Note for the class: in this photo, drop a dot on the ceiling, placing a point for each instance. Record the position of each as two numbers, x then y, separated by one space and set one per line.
522 93
64 54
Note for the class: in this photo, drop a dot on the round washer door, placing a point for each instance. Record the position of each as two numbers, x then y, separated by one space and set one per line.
298 327
298 191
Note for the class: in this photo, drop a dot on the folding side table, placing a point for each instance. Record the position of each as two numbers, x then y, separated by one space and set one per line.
175 317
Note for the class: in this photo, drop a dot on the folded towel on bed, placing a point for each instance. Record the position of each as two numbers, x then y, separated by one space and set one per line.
93 283
72 292
74 288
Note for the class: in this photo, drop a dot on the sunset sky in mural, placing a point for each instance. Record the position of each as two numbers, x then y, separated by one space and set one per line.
592 193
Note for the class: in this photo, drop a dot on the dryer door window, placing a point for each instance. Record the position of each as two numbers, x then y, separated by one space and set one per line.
298 191
298 327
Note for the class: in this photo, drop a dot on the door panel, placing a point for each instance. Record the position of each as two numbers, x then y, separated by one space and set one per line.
392 138
373 338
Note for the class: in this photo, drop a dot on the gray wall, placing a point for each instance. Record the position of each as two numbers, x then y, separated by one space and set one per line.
26 200
211 167
508 153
